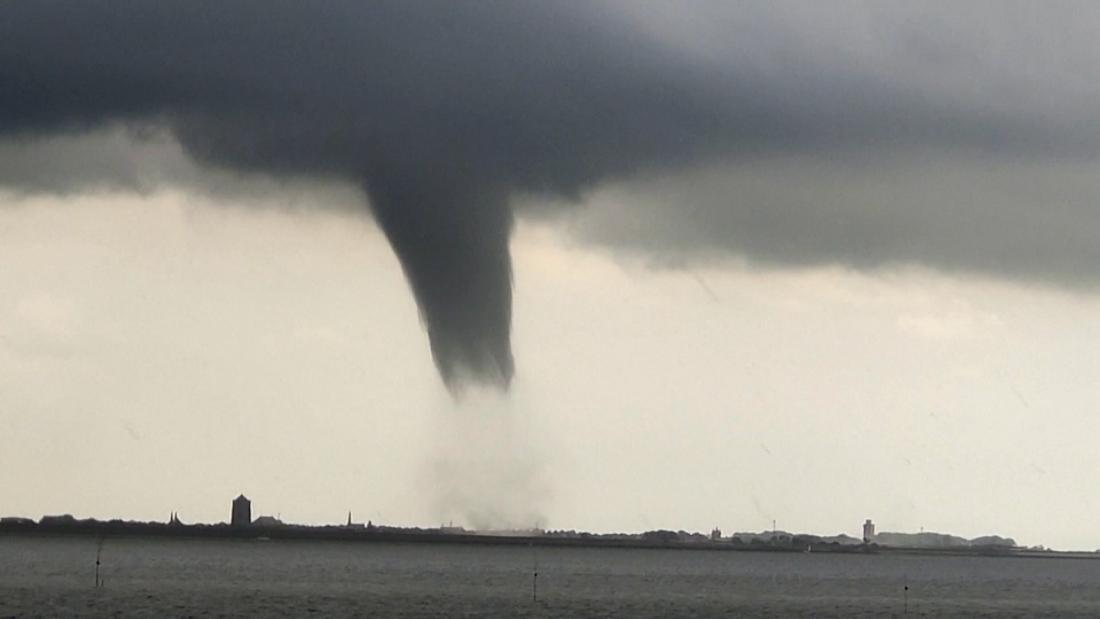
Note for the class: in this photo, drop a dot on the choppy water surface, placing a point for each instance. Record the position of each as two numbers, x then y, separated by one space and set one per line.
53 576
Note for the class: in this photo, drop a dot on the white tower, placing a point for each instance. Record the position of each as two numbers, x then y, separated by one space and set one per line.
868 531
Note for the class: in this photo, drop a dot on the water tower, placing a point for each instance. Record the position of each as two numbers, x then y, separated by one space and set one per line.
242 512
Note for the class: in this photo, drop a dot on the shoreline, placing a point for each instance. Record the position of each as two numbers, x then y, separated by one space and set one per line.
386 535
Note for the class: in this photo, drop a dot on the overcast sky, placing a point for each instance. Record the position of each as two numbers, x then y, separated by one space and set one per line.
746 262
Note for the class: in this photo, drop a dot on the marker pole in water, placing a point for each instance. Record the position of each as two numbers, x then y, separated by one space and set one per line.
534 574
906 594
98 554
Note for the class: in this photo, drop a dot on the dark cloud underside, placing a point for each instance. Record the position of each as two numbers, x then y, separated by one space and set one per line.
445 111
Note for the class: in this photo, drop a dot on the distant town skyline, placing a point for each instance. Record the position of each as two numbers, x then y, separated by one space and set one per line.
242 522
242 518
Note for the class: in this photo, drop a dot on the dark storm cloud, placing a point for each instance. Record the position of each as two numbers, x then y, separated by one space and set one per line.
444 112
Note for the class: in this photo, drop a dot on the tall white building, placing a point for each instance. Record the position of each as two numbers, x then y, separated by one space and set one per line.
868 531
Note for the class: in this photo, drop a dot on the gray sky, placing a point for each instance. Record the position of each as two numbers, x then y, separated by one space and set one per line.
768 261
166 352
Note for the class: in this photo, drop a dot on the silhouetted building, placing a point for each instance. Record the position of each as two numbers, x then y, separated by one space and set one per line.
716 534
242 512
174 520
267 521
868 531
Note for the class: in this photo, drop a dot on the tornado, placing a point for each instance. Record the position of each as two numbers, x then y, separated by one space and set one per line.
452 242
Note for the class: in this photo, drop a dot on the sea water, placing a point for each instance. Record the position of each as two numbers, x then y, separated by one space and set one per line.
55 576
